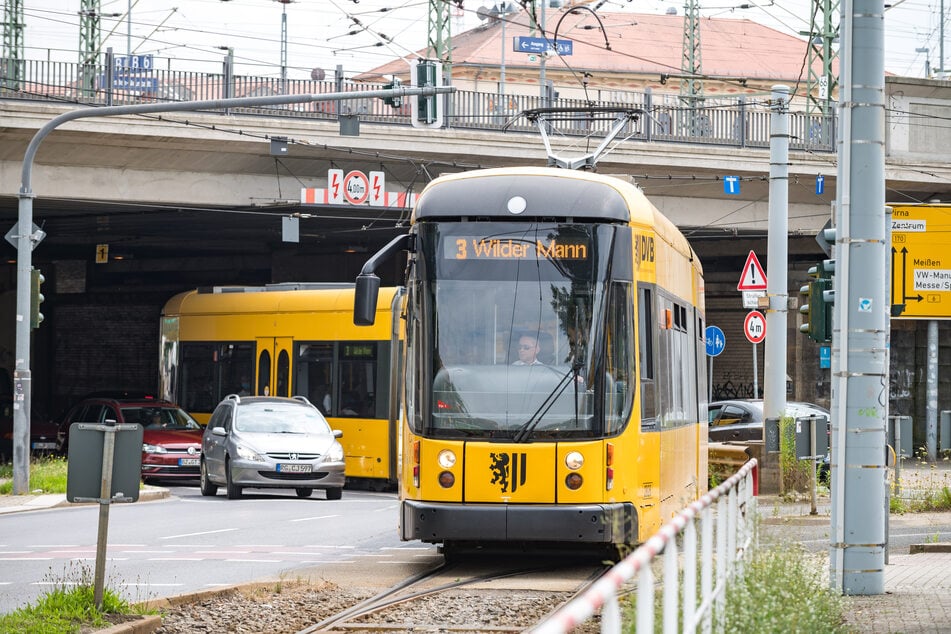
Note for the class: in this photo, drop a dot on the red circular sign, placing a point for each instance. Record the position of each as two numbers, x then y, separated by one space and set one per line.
356 187
755 326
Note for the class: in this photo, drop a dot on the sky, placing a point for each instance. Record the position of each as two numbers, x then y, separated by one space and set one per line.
359 35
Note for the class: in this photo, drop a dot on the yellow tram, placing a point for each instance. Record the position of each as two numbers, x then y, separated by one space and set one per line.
601 437
285 340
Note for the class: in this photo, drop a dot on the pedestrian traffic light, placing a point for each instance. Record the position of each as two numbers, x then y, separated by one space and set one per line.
426 110
394 101
36 298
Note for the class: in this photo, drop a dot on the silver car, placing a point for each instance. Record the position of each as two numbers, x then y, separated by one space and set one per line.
270 442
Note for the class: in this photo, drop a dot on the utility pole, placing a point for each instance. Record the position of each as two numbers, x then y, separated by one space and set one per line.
284 4
691 64
861 310
823 82
440 37
13 55
89 43
777 289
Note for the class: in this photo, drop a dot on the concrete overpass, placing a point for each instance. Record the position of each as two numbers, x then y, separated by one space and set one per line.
195 199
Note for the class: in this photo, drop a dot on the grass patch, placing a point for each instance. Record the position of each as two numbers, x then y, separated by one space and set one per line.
47 475
783 589
69 607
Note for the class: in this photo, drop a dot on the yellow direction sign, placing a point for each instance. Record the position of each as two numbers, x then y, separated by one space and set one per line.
921 261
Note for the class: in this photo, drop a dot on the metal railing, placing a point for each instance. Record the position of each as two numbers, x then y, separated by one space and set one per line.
733 122
733 523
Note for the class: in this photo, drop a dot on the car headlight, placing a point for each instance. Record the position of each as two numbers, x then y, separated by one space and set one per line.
336 453
147 448
248 454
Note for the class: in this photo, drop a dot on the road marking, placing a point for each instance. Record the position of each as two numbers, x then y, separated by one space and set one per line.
328 546
176 559
222 552
222 530
26 558
152 585
53 546
317 517
255 561
15 552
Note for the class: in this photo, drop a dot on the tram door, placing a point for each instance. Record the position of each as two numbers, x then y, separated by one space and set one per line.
274 366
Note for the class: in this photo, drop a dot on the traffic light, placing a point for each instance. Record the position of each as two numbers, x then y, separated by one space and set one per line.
36 298
394 101
820 299
426 110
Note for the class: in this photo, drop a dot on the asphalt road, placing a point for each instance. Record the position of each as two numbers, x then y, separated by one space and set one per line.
187 542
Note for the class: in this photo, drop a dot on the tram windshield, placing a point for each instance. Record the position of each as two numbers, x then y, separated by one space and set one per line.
516 311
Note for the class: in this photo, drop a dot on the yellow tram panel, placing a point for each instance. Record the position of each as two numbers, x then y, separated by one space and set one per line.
592 472
510 472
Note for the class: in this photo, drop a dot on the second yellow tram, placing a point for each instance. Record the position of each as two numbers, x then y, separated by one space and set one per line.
285 340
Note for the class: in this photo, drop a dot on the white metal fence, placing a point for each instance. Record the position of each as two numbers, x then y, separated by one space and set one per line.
728 511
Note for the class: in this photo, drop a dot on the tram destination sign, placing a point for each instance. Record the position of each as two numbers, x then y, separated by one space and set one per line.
921 261
483 248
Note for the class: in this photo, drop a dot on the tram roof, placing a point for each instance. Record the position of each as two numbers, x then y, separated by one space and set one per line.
296 297
547 192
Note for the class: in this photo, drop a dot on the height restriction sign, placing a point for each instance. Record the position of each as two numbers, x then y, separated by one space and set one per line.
755 326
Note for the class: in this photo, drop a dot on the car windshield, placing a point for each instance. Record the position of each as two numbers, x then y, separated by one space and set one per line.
150 417
280 418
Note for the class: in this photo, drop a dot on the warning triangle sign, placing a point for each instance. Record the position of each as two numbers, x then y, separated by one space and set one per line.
753 277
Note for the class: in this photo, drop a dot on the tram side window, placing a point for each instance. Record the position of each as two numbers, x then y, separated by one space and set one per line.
619 360
357 379
315 375
210 371
674 355
647 330
197 392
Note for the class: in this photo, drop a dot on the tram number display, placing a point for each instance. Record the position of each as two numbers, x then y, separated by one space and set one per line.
358 351
473 248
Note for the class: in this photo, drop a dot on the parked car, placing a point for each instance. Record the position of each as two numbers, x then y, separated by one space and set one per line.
43 438
171 439
270 442
742 420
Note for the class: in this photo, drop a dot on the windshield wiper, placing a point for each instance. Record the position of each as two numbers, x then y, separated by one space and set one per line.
571 376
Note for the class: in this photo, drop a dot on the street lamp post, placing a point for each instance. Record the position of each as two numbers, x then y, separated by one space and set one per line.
927 52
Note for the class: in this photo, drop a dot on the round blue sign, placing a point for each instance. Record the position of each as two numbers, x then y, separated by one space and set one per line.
716 340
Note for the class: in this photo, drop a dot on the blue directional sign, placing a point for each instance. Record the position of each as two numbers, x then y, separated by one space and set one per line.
132 83
820 184
715 339
134 63
526 44
825 357
731 185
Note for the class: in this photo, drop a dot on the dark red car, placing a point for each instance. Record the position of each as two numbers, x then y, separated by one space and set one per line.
171 439
43 436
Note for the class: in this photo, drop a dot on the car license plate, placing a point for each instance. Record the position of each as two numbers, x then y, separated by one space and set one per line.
295 468
44 445
188 462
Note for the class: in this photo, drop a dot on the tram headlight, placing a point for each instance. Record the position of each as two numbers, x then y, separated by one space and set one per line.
446 479
574 460
573 480
446 459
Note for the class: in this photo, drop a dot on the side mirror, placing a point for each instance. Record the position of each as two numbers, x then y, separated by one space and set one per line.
218 431
338 433
365 298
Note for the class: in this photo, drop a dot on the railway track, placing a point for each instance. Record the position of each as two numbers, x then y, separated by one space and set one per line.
485 596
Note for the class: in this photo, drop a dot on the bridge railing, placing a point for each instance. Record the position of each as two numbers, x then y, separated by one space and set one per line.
733 523
733 122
